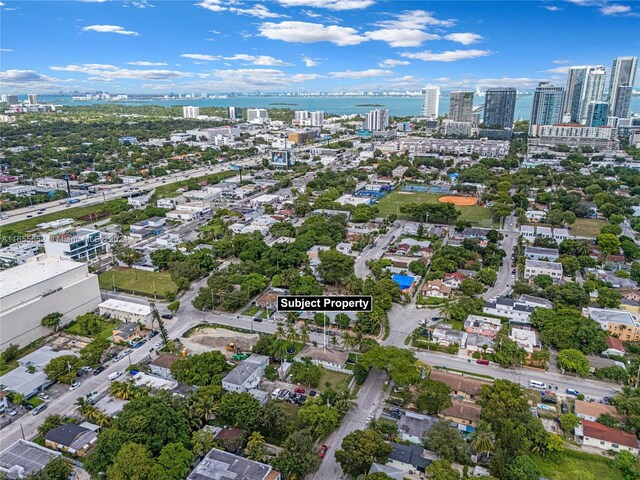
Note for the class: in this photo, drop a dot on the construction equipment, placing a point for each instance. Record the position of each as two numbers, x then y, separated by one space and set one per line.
231 347
240 356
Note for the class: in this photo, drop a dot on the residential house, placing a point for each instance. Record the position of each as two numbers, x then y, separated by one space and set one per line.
539 253
22 459
477 342
71 438
632 306
470 232
246 375
464 414
535 215
344 248
535 302
533 268
408 458
462 387
528 232
630 294
268 300
527 339
454 280
620 323
486 326
406 283
413 427
126 332
325 357
592 410
516 311
161 365
221 465
594 434
314 252
127 311
614 347
391 472
436 289
444 334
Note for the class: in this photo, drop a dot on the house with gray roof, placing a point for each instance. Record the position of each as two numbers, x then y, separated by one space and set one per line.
247 375
407 458
23 458
221 465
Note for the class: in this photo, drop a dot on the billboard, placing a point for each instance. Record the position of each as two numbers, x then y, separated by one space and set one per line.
280 158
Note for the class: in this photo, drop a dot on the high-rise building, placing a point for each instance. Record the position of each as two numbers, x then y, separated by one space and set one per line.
235 113
499 107
430 101
301 115
597 114
10 99
585 84
190 112
317 119
257 114
623 73
461 106
33 99
593 89
547 106
377 120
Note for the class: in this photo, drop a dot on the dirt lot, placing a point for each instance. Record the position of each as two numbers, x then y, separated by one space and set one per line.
64 341
209 339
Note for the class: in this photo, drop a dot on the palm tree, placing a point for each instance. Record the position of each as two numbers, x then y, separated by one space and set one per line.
255 447
101 419
352 284
347 340
343 401
582 248
18 399
292 335
279 333
357 340
482 438
279 349
447 310
304 336
334 341
206 408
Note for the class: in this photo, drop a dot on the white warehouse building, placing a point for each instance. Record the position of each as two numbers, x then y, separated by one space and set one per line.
41 286
126 311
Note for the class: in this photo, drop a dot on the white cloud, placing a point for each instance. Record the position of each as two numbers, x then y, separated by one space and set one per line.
303 77
110 72
22 76
109 29
305 32
561 62
558 70
401 37
201 57
213 5
1 4
415 19
311 14
6 50
551 8
147 64
215 32
20 80
464 38
329 4
371 72
447 56
310 62
94 1
615 9
264 60
142 4
258 10
391 62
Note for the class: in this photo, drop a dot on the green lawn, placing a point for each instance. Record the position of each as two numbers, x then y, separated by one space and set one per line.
106 331
251 311
574 465
137 281
336 380
393 202
35 401
169 190
587 227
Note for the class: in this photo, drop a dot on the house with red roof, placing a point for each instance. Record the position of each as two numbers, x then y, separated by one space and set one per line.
614 347
594 434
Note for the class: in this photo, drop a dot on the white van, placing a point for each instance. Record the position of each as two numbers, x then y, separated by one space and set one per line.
114 375
537 384
275 393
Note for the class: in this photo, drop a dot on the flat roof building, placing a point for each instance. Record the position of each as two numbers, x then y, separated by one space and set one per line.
23 458
79 244
623 324
126 311
221 465
41 286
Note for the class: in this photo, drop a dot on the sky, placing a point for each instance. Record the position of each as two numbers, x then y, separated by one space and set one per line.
219 46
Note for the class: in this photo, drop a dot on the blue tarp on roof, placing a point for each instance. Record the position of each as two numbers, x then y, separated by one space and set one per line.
404 281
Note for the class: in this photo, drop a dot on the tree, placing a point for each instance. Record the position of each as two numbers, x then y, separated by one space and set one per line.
555 444
568 422
174 306
63 369
129 256
447 443
609 297
543 281
398 362
51 422
255 449
608 243
523 468
321 419
507 353
335 267
471 287
565 328
608 420
57 469
109 444
241 410
573 360
203 369
202 442
306 373
488 276
626 462
133 462
434 397
173 463
52 321
360 449
482 438
442 470
343 321
298 456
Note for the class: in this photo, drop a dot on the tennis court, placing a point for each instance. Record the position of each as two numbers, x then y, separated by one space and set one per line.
426 189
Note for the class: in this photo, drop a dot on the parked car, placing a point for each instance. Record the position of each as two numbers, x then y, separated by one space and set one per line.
257 319
44 396
312 393
87 368
153 333
114 375
482 361
608 400
38 409
167 316
98 370
549 399
299 390
323 451
11 412
74 386
301 399
571 391
564 408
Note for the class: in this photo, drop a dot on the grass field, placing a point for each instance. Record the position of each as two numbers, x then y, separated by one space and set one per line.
393 202
106 331
577 465
137 281
587 227
336 380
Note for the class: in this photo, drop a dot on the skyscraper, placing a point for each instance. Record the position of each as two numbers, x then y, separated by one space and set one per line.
623 73
461 106
597 114
547 106
301 115
377 120
585 84
317 118
190 112
235 113
257 114
499 107
430 101
33 99
10 99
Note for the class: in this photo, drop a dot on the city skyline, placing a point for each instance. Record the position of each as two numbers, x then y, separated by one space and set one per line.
302 45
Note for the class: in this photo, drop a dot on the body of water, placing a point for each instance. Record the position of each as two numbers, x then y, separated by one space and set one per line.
398 106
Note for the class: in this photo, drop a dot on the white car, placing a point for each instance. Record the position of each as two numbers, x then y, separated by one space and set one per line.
11 412
43 396
74 386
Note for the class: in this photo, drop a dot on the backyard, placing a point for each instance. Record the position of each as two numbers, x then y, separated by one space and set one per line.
106 332
587 227
137 281
393 202
336 380
572 465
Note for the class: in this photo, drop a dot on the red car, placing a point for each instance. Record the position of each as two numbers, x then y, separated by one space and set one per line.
299 390
323 451
482 361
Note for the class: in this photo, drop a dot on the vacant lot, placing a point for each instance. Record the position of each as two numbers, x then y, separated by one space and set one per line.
393 203
137 281
207 339
587 227
336 380
573 465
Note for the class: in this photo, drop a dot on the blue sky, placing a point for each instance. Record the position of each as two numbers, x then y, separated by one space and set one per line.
151 46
